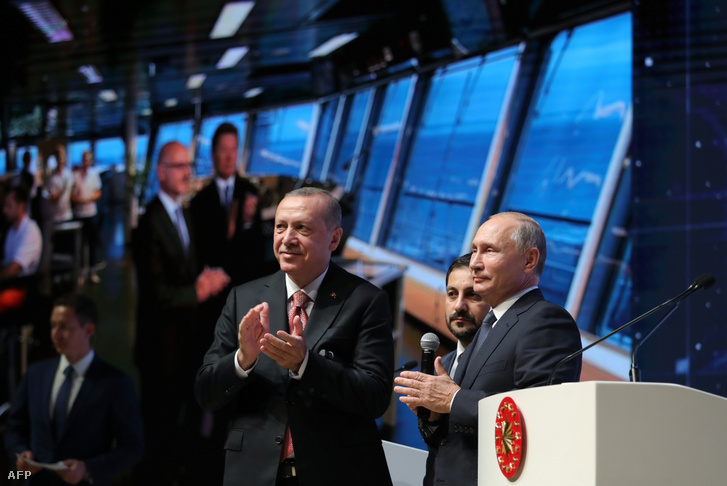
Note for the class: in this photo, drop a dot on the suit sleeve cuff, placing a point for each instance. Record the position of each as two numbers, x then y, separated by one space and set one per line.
238 369
299 374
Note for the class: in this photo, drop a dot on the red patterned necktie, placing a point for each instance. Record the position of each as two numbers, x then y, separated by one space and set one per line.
300 302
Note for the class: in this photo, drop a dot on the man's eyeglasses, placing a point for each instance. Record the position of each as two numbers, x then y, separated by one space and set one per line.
177 165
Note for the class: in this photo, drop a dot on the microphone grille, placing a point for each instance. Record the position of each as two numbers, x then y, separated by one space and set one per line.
704 281
430 341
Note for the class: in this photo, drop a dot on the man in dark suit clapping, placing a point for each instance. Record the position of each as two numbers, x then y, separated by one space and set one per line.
305 359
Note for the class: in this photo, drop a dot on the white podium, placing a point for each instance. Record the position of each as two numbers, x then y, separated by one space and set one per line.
611 434
407 465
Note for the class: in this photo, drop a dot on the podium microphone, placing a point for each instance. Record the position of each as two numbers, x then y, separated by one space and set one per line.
429 343
702 282
699 283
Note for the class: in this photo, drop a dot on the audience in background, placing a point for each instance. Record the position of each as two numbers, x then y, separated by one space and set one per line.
86 191
22 248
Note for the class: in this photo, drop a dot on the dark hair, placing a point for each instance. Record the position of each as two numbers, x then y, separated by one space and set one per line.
224 129
460 262
332 216
26 159
20 193
84 307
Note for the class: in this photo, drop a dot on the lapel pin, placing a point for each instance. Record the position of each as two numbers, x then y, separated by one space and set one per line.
333 294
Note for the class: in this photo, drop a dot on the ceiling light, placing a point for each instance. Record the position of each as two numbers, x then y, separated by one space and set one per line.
332 44
108 95
253 92
146 112
170 103
195 81
47 19
91 73
231 57
231 18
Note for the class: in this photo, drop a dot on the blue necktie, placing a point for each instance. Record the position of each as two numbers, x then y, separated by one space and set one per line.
179 223
60 410
480 337
484 331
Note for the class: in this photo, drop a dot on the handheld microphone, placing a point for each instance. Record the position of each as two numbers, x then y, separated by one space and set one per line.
429 343
699 283
409 365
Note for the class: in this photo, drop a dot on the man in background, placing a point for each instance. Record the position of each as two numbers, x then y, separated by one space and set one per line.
61 186
464 311
86 192
519 343
22 251
75 409
171 287
226 216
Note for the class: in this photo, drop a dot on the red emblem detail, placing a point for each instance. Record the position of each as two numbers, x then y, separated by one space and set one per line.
333 294
509 438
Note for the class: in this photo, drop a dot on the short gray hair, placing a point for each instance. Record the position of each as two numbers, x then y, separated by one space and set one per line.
332 215
527 235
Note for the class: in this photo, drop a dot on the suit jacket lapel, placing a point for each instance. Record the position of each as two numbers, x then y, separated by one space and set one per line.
168 227
87 387
47 389
328 304
275 294
497 334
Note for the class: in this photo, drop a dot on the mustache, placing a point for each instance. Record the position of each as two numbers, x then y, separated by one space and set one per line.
287 249
463 315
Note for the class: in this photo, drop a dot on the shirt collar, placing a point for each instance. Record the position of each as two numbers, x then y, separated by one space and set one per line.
81 366
23 222
223 183
311 289
169 203
503 307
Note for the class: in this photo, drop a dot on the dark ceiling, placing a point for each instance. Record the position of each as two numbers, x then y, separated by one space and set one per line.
145 50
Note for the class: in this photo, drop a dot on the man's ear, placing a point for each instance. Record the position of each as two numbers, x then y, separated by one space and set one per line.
532 257
335 238
89 329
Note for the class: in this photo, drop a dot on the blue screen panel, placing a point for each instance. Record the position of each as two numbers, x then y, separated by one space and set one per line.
279 140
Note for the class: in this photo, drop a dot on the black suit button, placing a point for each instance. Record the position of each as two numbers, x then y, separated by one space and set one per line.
443 443
472 430
278 440
311 390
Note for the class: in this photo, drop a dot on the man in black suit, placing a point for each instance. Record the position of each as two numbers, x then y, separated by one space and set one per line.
526 336
76 408
170 289
226 216
305 358
464 311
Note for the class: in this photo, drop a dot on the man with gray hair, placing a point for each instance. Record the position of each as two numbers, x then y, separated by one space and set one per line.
304 357
519 343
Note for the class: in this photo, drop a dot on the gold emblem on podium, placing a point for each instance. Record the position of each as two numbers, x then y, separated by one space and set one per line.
509 437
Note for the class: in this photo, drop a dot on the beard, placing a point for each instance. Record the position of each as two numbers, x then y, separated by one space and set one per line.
464 334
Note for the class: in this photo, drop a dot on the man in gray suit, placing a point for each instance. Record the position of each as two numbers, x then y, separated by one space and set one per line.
518 345
304 357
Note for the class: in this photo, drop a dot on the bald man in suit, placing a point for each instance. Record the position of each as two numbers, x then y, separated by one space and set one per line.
171 287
